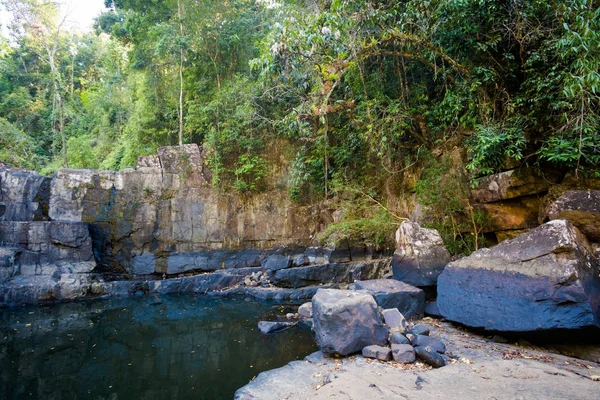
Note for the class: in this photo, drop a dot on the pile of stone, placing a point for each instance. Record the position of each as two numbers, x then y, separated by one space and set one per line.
347 322
408 342
256 279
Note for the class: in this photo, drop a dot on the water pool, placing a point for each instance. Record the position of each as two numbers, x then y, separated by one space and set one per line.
169 347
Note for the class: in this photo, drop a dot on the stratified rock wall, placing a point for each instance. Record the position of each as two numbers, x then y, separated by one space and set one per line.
165 217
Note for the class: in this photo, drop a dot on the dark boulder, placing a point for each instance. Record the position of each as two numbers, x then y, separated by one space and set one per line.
398 338
420 255
403 353
427 341
378 352
346 321
430 356
419 329
544 279
390 293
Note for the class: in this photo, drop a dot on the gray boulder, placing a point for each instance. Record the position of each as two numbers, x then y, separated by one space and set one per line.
582 209
420 255
427 341
24 196
544 279
403 353
346 321
398 338
394 320
305 310
419 329
430 356
390 293
378 352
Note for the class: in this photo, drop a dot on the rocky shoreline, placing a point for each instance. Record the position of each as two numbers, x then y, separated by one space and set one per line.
478 367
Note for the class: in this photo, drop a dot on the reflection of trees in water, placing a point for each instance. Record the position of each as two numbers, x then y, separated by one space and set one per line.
172 347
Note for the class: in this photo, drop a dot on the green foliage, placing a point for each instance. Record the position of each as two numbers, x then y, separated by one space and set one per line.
444 190
377 230
491 146
16 148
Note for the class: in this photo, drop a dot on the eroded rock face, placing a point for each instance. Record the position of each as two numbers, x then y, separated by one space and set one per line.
24 196
165 217
346 321
581 208
420 255
544 279
45 248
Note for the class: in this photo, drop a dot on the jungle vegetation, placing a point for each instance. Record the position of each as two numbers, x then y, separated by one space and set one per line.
357 90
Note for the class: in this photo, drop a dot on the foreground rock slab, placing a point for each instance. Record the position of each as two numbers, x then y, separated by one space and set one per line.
420 255
390 293
346 321
478 370
544 279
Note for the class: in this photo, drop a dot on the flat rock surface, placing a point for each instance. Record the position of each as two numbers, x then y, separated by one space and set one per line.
478 369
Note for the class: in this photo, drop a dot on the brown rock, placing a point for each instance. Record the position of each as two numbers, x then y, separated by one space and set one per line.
581 208
507 215
513 184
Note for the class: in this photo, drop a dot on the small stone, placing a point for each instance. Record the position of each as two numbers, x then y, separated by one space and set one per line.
289 316
305 310
419 329
410 337
429 356
398 338
428 341
403 353
267 327
394 320
247 281
378 352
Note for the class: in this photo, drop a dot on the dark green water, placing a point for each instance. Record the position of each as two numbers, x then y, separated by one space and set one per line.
172 347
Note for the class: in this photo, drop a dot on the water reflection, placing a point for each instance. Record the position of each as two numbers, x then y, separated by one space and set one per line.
174 347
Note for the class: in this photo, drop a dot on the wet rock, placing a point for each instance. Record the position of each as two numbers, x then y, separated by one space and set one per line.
268 327
581 208
390 293
305 310
544 279
428 341
378 352
419 329
394 320
346 321
398 338
420 255
403 353
430 356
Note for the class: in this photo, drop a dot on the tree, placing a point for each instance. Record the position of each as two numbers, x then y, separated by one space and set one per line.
40 22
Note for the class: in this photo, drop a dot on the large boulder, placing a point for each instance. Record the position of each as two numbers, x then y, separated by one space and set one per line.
581 208
390 293
544 279
420 255
345 322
